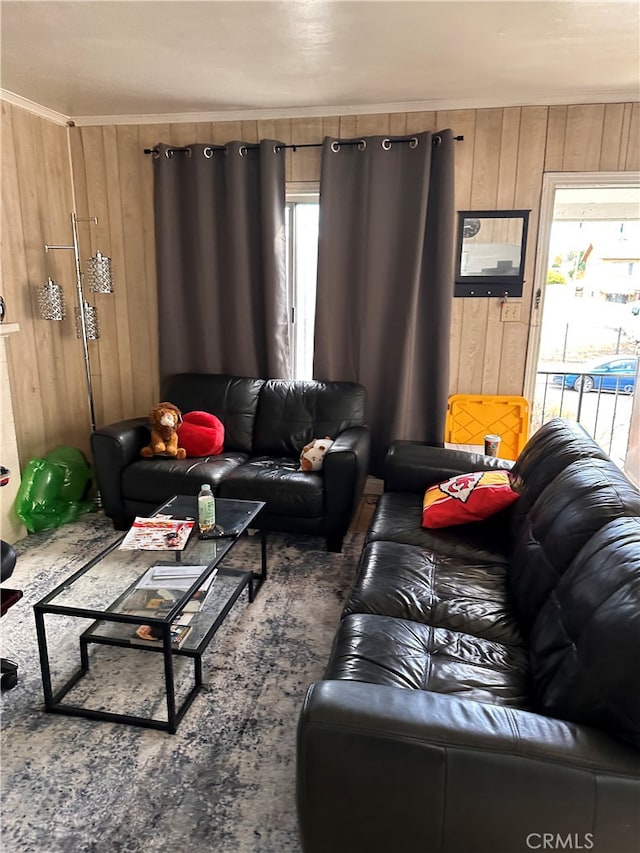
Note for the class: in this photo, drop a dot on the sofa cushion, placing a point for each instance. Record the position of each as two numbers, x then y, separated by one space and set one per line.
401 653
291 414
398 518
156 480
466 498
410 583
556 445
233 399
580 500
278 482
585 642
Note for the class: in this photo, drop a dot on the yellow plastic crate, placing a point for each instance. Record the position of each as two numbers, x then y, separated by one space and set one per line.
472 416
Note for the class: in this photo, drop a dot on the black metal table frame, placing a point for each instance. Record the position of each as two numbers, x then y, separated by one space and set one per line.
53 699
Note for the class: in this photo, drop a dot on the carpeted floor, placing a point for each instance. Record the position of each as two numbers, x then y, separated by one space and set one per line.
225 783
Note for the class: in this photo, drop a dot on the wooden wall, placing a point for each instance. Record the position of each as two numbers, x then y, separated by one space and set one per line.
499 165
44 359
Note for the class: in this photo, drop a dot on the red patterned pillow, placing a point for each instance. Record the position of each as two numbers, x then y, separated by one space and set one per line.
467 497
201 434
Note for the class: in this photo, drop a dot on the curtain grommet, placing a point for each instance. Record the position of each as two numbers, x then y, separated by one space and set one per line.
437 140
242 151
386 144
208 152
168 153
362 145
335 146
413 142
277 149
188 152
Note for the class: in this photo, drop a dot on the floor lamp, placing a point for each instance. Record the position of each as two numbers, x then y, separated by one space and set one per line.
51 300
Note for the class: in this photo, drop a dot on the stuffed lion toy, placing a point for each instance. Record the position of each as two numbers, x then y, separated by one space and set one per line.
165 419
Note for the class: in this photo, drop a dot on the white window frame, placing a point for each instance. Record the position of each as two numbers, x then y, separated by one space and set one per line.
307 192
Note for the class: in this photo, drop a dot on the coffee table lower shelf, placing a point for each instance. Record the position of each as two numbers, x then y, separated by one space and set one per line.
111 624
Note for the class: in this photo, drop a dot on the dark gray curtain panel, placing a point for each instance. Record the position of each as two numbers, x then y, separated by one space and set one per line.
385 279
221 260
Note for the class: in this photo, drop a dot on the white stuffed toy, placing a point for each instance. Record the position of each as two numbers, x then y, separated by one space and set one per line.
312 455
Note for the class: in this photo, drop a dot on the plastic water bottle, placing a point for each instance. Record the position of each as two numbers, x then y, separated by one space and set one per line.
206 509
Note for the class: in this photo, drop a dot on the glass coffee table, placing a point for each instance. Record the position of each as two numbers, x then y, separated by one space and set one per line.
102 591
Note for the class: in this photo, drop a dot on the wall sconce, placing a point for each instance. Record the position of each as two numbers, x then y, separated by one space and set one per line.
51 300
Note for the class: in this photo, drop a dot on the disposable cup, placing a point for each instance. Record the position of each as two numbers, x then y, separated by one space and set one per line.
491 445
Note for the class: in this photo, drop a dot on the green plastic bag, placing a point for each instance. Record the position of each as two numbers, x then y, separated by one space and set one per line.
54 490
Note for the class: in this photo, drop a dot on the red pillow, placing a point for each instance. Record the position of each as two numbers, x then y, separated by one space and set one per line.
467 497
201 434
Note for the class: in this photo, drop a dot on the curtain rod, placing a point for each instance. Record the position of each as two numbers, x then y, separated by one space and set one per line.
295 146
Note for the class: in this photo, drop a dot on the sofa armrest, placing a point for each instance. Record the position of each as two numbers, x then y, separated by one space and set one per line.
412 467
383 768
345 468
114 447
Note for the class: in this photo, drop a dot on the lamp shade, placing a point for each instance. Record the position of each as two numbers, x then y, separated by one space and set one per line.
50 301
99 274
90 322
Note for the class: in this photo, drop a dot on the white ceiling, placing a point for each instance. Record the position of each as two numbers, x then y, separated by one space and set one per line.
95 61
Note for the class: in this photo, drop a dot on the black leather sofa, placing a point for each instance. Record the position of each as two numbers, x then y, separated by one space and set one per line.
267 423
483 691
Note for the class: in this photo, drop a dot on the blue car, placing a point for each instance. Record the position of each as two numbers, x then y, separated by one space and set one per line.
616 373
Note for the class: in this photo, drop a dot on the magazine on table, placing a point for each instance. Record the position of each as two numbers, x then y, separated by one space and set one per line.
174 575
157 592
158 534
161 586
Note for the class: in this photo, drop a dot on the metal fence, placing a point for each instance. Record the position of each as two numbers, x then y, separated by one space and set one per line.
606 415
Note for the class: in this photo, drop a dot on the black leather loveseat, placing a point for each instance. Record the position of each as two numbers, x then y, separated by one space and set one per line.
267 423
483 692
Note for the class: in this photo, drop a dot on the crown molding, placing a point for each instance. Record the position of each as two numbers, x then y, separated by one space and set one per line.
314 112
351 109
32 107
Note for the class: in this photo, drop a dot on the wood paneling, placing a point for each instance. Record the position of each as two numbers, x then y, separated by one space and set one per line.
632 139
45 361
304 163
500 164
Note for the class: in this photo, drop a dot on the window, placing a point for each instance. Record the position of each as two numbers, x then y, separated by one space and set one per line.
301 223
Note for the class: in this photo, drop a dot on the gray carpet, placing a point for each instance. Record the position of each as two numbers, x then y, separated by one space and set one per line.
226 781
